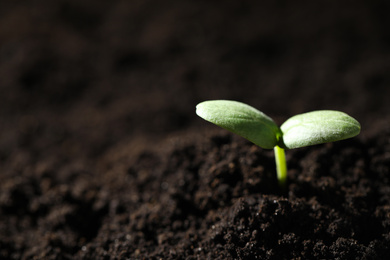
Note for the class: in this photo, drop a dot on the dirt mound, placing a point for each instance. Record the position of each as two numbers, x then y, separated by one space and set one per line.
103 157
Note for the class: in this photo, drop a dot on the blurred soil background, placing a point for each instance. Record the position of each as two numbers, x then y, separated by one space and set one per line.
97 108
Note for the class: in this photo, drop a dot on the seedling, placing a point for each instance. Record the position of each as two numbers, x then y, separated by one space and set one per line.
306 129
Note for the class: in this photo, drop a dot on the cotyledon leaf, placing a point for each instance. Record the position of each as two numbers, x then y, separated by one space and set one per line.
318 127
241 119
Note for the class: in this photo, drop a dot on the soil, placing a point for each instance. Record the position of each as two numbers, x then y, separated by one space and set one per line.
103 157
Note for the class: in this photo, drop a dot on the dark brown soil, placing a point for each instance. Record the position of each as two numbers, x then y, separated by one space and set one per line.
103 157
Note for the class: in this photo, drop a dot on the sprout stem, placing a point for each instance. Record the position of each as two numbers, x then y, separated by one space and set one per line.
281 166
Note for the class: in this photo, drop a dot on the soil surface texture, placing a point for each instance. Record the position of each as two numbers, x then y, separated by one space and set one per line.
103 157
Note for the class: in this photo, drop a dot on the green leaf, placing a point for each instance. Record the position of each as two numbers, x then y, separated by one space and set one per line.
318 127
241 119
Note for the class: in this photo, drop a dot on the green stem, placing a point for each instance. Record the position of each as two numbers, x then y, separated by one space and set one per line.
281 166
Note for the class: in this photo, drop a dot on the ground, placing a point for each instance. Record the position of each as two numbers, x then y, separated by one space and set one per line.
103 157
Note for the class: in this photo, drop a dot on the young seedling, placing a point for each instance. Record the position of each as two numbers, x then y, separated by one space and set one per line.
306 129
